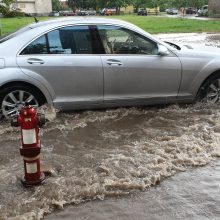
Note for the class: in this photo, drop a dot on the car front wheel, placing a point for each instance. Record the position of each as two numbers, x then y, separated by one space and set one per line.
14 97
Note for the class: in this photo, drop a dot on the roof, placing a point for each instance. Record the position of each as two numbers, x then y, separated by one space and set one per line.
56 22
79 20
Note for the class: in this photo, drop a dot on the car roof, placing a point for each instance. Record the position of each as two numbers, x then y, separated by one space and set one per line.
79 20
42 26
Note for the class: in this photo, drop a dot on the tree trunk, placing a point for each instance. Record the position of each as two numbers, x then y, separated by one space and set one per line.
72 4
74 8
118 9
214 8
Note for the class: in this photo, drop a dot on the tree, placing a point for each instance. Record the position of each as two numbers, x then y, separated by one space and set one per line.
86 4
102 3
139 4
154 3
198 3
56 6
6 2
5 6
118 4
189 3
72 4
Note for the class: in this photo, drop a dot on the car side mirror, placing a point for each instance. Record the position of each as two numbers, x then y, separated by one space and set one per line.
162 50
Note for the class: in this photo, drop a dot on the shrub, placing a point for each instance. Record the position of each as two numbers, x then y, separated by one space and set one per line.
8 13
14 13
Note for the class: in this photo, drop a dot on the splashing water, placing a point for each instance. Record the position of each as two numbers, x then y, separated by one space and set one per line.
95 154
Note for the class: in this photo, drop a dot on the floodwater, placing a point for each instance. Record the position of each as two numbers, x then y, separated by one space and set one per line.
190 195
97 155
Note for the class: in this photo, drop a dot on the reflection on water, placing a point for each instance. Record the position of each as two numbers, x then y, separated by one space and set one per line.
98 154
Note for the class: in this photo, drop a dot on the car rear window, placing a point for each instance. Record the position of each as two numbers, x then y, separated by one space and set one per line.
67 40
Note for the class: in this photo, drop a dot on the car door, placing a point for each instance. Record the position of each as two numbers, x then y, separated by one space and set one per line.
133 70
65 60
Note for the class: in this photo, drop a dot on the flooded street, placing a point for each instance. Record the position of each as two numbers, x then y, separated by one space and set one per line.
175 198
96 155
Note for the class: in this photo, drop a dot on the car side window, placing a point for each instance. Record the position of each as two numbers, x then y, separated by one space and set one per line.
67 40
39 46
118 40
54 43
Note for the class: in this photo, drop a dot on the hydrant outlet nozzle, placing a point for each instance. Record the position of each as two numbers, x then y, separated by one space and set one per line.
41 119
14 122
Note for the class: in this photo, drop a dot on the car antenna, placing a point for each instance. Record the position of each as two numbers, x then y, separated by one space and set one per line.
36 20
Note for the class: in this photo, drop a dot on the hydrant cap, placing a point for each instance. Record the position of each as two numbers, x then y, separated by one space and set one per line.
28 111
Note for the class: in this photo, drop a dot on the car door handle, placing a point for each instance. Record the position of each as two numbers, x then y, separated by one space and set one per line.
112 62
35 61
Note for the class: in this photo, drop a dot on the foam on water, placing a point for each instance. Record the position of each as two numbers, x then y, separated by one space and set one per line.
116 152
200 38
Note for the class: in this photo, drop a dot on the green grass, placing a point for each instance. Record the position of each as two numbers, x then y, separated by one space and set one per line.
9 25
151 24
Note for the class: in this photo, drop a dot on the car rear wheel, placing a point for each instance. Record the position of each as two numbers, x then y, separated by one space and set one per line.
14 97
210 90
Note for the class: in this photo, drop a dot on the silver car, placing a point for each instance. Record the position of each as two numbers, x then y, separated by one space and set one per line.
172 11
82 63
203 11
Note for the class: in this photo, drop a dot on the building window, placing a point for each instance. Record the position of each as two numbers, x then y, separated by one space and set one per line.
22 5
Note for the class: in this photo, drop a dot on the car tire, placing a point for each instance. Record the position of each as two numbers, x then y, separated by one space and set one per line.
12 98
209 92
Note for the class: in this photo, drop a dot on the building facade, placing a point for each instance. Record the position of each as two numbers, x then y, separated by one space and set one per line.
34 7
214 8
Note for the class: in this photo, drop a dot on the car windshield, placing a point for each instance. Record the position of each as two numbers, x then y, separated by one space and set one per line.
13 34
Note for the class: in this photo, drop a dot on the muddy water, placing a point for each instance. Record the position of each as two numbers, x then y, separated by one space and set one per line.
192 195
98 154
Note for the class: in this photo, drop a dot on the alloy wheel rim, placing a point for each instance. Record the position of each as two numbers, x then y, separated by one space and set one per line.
13 102
213 92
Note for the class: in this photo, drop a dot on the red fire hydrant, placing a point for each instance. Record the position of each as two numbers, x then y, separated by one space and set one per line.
30 121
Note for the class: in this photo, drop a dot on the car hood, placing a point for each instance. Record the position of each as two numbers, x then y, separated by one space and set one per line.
196 50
